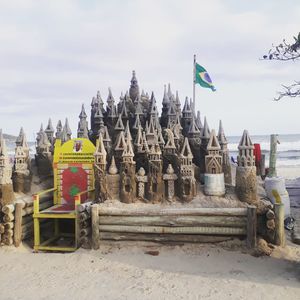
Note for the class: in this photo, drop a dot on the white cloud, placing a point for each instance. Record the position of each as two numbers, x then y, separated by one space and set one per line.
57 54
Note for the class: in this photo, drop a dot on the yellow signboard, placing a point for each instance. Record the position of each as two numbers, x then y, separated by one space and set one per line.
78 150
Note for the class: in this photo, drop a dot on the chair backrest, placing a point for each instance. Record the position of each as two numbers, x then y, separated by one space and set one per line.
73 169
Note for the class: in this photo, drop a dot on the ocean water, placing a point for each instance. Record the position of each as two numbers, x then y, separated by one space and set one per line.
288 151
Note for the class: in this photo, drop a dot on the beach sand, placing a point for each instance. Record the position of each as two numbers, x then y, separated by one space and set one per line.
125 271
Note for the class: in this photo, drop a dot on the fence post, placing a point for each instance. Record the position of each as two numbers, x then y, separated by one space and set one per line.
95 226
279 224
251 226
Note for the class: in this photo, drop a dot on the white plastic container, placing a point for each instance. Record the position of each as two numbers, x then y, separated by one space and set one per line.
278 184
214 184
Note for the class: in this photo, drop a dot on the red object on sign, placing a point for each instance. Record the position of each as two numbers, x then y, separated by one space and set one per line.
74 181
257 153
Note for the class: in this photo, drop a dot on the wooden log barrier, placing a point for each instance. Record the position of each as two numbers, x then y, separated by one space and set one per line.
173 224
95 226
8 208
251 226
18 224
279 224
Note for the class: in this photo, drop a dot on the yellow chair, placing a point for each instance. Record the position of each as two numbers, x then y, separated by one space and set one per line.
73 170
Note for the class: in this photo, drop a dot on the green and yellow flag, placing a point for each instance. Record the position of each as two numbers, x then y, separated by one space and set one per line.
202 77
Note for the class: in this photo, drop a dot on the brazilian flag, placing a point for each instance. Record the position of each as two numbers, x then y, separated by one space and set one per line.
203 78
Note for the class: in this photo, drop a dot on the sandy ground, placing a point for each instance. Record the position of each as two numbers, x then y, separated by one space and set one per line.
125 271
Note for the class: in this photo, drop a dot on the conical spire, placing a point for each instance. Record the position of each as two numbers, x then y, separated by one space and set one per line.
128 137
106 137
221 134
21 139
137 122
198 120
85 132
213 143
134 87
68 129
186 149
138 142
128 151
110 98
166 99
121 142
113 170
3 150
100 149
119 125
193 128
138 109
49 128
205 133
145 147
245 142
186 107
82 114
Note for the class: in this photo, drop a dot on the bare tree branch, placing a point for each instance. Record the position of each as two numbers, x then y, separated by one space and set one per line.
292 91
285 51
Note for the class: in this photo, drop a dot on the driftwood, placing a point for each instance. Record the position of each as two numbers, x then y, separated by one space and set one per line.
8 218
29 210
18 224
279 225
157 211
8 208
270 214
95 226
271 224
84 206
174 230
9 225
251 226
217 221
84 216
178 238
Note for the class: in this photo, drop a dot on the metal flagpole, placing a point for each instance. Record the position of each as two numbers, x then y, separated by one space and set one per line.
194 81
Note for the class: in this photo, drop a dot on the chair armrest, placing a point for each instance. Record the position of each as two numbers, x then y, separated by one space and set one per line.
36 199
77 197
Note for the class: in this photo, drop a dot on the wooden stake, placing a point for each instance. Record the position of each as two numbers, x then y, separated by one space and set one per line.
279 224
95 226
251 226
18 224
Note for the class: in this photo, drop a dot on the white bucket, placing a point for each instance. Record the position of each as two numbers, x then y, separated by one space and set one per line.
214 184
278 184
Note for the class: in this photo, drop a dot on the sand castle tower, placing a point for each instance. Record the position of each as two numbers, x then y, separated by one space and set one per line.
225 155
246 183
6 186
21 172
214 177
187 173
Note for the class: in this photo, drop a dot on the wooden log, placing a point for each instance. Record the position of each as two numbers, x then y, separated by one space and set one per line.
2 228
158 211
178 238
8 208
9 233
217 221
270 214
8 218
85 232
44 205
84 206
7 240
271 224
95 226
84 216
279 224
9 225
175 230
251 226
18 225
273 155
85 224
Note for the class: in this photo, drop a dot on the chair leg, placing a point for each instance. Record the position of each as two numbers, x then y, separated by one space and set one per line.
36 223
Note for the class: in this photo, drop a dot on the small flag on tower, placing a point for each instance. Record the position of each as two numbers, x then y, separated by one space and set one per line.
202 77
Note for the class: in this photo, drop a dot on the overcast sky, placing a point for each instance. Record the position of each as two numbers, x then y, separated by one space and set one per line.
55 55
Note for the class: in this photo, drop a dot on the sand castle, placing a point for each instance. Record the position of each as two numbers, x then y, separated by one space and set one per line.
141 156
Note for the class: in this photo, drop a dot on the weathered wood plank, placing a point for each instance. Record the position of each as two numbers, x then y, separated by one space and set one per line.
18 224
95 226
174 230
178 238
158 211
251 226
228 221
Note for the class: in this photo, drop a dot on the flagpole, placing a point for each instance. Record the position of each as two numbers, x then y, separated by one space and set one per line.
194 81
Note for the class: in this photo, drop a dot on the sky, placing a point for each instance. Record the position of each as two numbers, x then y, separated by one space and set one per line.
55 55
